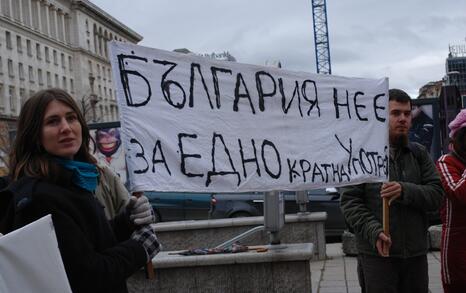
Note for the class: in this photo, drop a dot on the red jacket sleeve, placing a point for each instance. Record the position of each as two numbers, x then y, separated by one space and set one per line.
453 176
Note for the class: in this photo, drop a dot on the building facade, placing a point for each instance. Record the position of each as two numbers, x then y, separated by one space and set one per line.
455 67
431 89
59 43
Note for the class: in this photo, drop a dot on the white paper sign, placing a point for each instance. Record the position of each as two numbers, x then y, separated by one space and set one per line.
30 260
194 124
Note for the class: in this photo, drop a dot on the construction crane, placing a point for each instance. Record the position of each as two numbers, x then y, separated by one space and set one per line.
322 47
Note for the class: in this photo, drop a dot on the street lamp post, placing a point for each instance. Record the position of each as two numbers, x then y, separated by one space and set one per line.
89 102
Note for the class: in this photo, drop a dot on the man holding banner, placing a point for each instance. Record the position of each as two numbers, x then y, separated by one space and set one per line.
395 261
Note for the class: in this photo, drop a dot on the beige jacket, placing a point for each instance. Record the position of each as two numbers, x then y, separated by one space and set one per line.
111 192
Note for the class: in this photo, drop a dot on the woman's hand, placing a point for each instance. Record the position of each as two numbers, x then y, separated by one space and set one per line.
140 211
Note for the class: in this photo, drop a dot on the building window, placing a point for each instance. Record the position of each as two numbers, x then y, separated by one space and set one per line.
2 98
98 71
109 75
9 45
1 66
70 63
104 73
47 54
19 44
57 81
38 53
71 85
12 99
29 47
31 74
90 66
40 78
49 79
22 96
55 57
11 71
64 83
21 71
63 61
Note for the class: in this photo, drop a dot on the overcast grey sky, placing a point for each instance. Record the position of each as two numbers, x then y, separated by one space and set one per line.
404 40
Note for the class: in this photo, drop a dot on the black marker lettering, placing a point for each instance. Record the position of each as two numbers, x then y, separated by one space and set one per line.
214 171
214 71
277 154
254 159
357 106
239 82
191 87
166 83
130 100
260 90
158 145
140 155
184 156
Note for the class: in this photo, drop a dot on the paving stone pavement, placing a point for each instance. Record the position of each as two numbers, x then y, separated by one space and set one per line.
337 274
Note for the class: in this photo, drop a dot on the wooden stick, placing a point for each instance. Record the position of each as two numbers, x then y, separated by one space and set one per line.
386 217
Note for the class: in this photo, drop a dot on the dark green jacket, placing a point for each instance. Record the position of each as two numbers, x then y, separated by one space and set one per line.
422 192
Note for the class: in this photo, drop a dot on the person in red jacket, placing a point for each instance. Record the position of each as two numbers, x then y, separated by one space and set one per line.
452 170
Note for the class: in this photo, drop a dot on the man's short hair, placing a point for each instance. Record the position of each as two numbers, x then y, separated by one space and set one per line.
399 96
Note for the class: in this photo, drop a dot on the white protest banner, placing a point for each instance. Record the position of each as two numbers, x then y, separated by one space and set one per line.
30 260
194 124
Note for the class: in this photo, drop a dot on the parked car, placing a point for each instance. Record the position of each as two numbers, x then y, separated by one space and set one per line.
252 204
180 206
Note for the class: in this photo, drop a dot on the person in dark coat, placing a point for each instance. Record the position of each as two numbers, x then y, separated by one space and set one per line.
396 262
53 173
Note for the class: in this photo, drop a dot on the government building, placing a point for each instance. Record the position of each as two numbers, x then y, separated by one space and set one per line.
58 43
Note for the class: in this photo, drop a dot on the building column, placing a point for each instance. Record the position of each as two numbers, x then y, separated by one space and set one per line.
47 19
67 28
61 28
10 10
29 4
20 7
39 14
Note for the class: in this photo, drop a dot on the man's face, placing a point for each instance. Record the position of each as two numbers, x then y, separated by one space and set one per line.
399 121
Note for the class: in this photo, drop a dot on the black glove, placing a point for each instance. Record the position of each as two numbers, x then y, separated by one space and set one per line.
145 235
140 211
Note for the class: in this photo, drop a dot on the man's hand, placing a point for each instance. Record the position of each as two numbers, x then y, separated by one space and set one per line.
391 190
383 244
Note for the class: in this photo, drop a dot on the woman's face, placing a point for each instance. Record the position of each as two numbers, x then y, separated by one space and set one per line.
61 130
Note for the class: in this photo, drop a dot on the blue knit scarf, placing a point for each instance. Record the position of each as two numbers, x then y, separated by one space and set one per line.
85 175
